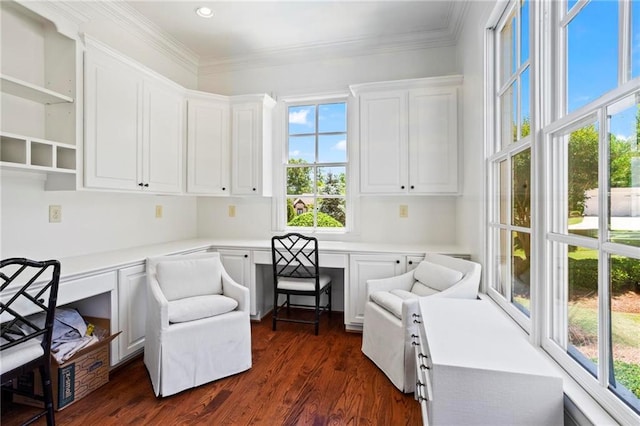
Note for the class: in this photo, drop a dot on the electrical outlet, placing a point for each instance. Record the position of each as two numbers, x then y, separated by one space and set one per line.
404 210
232 211
55 214
158 211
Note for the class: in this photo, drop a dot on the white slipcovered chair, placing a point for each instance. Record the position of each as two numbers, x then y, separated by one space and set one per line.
392 302
198 327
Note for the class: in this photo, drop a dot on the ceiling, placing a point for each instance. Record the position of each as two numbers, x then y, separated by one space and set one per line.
245 30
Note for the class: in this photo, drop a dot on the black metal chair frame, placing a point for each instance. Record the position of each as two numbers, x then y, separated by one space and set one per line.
296 256
30 290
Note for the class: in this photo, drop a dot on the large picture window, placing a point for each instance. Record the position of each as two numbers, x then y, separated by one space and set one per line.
510 163
563 207
316 166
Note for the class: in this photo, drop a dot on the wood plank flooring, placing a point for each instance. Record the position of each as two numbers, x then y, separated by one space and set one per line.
297 378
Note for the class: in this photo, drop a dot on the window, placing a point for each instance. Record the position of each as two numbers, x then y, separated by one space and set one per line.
510 164
316 166
564 184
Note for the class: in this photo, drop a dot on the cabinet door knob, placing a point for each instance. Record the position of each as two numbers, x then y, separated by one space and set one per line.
412 187
246 255
224 189
397 261
141 184
146 185
411 262
402 187
253 189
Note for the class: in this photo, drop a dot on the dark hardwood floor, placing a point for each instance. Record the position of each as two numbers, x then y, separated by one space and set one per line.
297 378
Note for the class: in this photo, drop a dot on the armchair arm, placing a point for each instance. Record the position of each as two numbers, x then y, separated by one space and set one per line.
157 305
401 282
235 291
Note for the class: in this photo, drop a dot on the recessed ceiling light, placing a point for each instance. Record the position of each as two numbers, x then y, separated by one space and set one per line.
204 12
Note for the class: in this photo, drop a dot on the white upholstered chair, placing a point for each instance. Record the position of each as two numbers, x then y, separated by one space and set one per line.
392 302
198 328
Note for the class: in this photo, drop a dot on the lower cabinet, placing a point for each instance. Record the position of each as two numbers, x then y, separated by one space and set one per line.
132 309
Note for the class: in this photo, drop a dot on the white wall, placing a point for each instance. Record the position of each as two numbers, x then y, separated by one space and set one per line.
431 219
91 221
470 208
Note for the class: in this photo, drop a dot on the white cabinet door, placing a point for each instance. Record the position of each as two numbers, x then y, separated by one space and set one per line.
132 309
433 140
237 263
363 267
163 138
251 152
113 123
208 144
383 142
246 150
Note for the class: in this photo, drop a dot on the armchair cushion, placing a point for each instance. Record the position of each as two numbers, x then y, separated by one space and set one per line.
198 307
180 279
436 276
404 294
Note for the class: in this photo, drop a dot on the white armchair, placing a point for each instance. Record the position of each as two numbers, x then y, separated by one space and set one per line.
198 328
392 302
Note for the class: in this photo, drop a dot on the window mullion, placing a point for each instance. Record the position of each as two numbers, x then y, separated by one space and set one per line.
604 319
625 43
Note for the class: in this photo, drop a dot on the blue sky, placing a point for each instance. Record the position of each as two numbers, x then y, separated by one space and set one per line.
302 124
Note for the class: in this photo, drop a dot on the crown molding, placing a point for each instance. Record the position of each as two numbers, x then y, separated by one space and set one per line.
371 45
136 24
132 21
331 50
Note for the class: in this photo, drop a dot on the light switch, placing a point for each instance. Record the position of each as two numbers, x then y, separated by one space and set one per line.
404 210
158 211
232 210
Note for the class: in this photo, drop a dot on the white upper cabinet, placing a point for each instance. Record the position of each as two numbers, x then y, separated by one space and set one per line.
384 142
433 140
163 138
134 134
251 155
208 146
39 88
409 136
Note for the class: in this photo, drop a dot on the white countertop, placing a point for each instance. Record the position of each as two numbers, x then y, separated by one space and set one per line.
73 267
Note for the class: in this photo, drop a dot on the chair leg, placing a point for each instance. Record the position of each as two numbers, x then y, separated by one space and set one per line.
47 391
275 310
317 321
329 293
288 307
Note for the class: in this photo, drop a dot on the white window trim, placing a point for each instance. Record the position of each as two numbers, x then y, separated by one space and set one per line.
280 157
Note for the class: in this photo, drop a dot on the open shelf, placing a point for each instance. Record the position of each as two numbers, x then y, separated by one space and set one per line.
27 153
23 89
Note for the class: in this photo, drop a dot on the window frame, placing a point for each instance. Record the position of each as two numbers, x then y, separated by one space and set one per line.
279 222
497 151
548 64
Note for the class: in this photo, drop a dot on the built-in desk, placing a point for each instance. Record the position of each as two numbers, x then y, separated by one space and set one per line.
113 284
